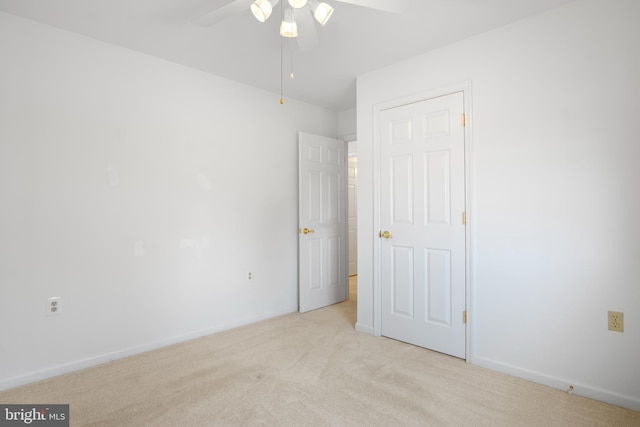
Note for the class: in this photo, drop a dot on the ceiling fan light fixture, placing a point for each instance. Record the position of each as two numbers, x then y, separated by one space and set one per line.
288 29
298 3
262 9
321 11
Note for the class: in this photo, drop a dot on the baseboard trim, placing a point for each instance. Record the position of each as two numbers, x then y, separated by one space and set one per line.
365 329
77 365
560 383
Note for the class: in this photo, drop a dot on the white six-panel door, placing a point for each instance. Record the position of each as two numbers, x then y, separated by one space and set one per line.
322 222
422 201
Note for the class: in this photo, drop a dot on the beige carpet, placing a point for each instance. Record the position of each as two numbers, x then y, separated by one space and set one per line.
308 370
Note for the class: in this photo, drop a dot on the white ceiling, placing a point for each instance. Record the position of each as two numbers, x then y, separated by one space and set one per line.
356 39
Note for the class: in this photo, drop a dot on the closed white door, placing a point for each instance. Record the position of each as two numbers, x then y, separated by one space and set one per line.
422 205
322 222
352 217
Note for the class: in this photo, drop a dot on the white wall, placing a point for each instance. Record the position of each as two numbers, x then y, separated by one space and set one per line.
555 200
101 147
347 125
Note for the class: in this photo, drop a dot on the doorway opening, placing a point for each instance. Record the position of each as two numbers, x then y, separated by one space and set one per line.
352 217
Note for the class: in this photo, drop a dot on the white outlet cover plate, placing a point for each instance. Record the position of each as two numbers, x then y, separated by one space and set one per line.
54 306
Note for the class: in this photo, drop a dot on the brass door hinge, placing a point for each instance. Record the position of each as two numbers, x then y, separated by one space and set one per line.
464 119
464 218
464 316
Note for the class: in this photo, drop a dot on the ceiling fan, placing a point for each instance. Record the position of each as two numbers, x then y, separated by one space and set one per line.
294 11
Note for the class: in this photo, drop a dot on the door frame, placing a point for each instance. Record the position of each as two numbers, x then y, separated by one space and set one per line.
465 88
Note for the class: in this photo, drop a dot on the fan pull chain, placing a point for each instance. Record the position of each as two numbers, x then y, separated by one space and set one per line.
281 73
292 47
281 59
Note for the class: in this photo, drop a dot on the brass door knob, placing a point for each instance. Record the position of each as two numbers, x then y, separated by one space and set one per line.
385 234
308 231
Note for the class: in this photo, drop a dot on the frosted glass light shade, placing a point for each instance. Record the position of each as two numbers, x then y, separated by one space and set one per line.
288 29
298 3
321 11
262 9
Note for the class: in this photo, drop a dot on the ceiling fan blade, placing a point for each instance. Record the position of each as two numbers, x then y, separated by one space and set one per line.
307 34
225 9
394 6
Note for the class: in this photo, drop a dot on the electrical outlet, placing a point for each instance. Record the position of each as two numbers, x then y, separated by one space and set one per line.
54 306
616 321
250 276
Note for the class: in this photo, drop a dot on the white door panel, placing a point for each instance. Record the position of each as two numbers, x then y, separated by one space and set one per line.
322 222
352 169
422 198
